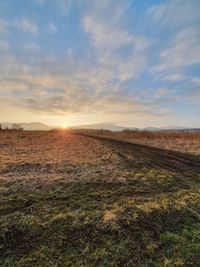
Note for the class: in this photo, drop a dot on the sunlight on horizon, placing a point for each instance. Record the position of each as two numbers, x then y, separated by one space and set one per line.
64 126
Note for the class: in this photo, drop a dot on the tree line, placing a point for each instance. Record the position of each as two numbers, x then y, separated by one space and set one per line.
14 126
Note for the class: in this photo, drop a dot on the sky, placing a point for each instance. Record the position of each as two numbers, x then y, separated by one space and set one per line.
135 63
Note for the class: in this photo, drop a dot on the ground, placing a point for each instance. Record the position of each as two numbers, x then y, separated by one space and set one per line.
73 200
183 141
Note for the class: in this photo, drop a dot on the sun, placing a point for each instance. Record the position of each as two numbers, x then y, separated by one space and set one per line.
64 126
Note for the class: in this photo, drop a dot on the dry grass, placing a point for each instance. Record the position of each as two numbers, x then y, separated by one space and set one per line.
69 200
187 142
56 155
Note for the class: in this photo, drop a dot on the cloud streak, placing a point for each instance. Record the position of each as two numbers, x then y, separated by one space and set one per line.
25 25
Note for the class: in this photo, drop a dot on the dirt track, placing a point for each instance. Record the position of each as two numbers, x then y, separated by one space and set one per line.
135 155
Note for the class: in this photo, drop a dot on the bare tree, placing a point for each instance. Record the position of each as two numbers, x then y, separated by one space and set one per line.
16 126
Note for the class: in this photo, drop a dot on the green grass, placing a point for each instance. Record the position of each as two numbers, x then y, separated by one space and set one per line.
151 220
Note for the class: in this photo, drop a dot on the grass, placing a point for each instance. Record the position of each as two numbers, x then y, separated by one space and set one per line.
95 224
149 219
182 141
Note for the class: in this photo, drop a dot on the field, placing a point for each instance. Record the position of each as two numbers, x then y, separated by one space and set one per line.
188 142
69 199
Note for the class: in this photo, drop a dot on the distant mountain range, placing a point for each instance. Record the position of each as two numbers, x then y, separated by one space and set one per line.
107 126
113 127
164 128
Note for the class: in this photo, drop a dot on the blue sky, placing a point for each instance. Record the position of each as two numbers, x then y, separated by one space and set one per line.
132 62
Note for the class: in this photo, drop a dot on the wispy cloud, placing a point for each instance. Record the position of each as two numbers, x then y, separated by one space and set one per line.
174 77
25 25
196 80
4 45
31 47
51 27
110 42
183 50
12 85
3 26
195 96
63 6
125 60
175 14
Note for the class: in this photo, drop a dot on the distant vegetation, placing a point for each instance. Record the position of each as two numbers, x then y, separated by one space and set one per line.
15 126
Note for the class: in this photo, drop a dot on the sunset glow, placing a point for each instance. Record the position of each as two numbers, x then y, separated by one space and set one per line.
70 59
64 126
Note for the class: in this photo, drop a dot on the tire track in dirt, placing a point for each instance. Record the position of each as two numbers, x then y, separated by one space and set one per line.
156 157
